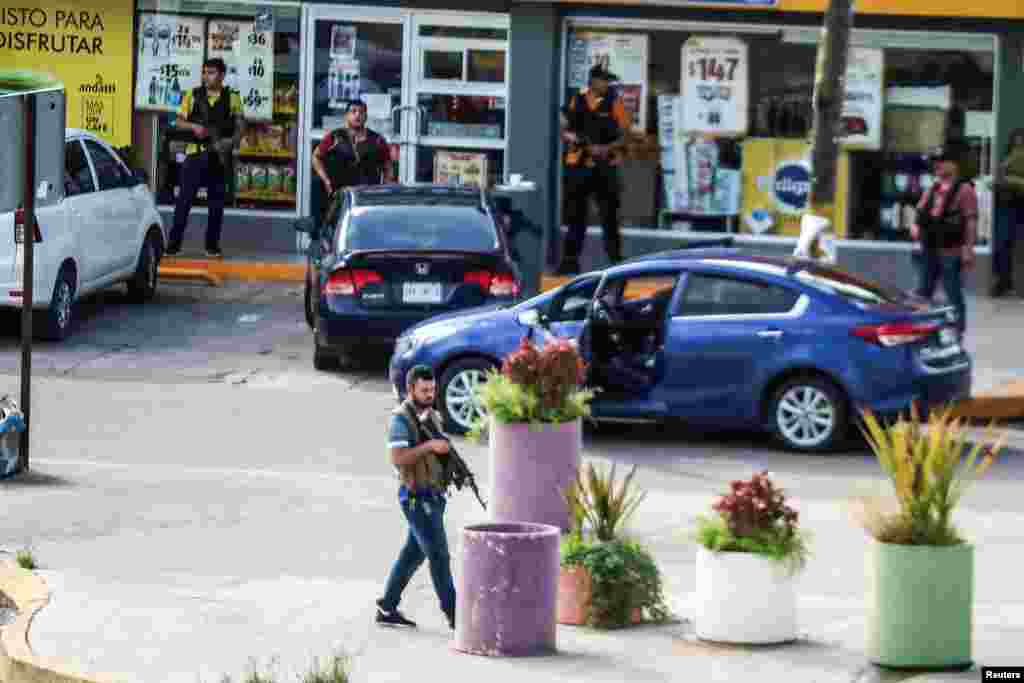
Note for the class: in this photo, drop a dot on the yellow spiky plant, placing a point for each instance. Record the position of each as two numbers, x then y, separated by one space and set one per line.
930 464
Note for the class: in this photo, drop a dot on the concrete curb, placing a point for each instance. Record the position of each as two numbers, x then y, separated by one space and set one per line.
18 664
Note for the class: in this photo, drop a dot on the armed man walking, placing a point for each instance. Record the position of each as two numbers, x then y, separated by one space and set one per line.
213 114
946 227
595 124
421 497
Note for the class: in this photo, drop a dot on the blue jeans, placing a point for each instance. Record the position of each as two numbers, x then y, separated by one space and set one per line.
935 266
200 170
1004 233
426 541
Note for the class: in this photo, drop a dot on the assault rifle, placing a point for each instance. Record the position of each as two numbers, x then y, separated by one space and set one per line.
456 471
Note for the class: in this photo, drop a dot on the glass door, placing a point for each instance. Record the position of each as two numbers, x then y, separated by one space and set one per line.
356 55
459 77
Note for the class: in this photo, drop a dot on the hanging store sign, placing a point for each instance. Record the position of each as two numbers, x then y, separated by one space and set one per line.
865 94
170 60
248 51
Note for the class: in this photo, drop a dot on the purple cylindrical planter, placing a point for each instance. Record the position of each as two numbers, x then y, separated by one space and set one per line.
507 599
531 468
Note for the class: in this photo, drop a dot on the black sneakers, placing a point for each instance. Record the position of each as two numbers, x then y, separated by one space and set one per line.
392 618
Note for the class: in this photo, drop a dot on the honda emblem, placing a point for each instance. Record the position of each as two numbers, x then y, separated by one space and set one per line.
422 268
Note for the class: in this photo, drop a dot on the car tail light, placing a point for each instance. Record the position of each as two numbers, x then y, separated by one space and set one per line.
895 334
19 228
350 282
496 284
504 284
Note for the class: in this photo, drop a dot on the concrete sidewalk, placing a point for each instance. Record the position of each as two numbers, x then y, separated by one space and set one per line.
182 533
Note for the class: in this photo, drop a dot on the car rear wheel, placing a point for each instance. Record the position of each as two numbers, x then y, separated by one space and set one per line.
459 404
809 414
142 286
59 316
308 304
324 360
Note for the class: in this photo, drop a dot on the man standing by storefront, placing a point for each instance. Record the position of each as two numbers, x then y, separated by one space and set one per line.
946 227
421 497
353 155
213 114
595 125
1009 214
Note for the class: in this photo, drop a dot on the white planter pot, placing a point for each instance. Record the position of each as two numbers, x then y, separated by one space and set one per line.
744 598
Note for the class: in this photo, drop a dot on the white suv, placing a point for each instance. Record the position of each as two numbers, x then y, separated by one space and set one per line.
104 230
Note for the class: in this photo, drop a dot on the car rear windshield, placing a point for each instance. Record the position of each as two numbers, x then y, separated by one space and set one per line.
430 227
850 287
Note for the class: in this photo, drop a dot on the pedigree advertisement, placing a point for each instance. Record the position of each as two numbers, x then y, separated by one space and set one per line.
777 187
87 46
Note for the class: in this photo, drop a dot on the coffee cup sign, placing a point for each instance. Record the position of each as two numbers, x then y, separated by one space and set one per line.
715 86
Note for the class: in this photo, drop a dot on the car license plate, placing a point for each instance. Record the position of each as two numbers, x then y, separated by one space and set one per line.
948 336
421 292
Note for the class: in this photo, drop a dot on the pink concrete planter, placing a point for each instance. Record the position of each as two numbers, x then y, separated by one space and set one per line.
507 595
531 468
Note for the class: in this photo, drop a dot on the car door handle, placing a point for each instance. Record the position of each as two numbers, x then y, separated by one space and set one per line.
770 334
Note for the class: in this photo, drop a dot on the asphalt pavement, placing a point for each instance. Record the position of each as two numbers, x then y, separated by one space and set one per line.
202 502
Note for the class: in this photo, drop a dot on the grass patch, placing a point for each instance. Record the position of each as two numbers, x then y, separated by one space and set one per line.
332 670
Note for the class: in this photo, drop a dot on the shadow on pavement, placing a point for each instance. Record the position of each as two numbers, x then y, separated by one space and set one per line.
35 479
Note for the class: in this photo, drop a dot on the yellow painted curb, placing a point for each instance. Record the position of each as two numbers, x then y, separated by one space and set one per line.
255 271
191 274
18 664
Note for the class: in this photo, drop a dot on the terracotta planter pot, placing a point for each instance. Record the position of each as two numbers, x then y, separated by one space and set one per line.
575 588
919 606
531 468
507 594
744 598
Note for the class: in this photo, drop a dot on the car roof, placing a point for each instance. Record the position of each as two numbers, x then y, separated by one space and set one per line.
778 266
369 195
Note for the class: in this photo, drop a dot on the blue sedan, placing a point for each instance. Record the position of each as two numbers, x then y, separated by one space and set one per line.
718 339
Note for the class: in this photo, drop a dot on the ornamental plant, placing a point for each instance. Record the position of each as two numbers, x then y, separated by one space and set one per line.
623 574
930 465
754 517
536 385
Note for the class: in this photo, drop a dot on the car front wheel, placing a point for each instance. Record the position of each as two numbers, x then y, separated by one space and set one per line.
809 414
459 404
142 286
59 315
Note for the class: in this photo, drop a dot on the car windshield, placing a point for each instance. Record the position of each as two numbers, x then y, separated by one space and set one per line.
850 287
413 227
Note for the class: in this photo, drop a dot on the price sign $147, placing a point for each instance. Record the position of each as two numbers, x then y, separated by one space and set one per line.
713 69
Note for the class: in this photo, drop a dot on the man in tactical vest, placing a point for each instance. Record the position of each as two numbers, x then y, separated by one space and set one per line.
213 115
353 155
595 123
946 227
421 497
1009 211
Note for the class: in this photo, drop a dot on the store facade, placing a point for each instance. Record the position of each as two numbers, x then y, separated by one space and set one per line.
721 102
435 81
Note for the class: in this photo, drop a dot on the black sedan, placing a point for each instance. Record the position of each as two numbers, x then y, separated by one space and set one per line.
388 257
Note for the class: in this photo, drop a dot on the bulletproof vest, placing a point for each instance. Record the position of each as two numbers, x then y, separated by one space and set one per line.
427 471
596 126
218 116
347 166
947 230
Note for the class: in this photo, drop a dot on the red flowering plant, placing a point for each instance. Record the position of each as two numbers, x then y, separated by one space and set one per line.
537 384
754 517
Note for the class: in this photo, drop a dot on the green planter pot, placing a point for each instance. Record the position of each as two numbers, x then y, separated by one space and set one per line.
919 606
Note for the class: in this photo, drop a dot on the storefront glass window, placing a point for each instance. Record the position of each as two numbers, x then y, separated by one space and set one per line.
456 166
261 47
901 104
442 65
463 116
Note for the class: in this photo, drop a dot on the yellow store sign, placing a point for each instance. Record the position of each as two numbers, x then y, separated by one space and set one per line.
88 47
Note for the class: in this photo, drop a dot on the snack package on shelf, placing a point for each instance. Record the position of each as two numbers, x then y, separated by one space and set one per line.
275 179
290 181
259 180
243 181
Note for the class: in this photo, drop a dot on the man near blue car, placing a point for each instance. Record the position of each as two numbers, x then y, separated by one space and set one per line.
421 497
947 227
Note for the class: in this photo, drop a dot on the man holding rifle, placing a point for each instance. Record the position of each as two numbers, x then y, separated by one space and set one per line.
426 466
212 114
595 123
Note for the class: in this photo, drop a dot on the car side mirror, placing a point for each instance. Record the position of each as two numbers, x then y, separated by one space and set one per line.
530 318
307 226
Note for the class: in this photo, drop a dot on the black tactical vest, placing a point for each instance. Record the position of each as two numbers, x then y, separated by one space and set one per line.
217 117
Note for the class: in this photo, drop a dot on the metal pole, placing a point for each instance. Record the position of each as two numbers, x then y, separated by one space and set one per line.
28 242
830 92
